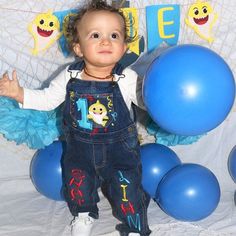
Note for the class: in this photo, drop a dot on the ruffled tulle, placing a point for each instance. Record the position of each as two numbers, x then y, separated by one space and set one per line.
36 129
168 139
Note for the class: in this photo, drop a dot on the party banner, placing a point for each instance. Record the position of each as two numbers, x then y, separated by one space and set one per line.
163 23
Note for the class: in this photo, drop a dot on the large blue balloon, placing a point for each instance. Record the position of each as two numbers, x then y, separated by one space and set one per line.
232 164
189 192
189 90
46 172
156 160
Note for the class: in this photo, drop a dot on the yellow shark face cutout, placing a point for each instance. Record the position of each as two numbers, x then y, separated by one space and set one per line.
200 12
45 29
46 24
201 19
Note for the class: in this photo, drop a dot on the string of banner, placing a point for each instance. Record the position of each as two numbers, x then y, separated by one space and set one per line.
162 25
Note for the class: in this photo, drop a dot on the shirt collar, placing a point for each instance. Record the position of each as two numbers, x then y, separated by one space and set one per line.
77 67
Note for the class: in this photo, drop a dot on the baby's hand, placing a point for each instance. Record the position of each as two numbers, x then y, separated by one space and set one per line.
11 87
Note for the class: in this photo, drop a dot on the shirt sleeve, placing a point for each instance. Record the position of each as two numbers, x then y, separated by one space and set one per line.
48 98
134 86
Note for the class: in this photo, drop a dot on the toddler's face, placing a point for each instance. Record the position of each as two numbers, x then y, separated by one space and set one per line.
101 38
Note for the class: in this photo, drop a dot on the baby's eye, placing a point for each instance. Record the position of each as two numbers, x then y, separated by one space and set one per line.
114 36
95 35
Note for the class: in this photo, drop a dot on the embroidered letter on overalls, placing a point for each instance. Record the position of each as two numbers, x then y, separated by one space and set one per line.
126 206
75 183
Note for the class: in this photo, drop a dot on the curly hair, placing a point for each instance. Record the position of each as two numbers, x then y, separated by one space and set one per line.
71 23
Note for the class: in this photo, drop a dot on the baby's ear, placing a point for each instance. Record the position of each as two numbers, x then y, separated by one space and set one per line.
126 48
77 50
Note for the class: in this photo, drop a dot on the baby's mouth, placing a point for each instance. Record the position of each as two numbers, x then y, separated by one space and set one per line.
105 52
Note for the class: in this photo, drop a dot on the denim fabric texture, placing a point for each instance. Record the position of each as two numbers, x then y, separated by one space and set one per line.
103 150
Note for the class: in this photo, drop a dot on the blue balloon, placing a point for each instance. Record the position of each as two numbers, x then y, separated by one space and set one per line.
189 192
46 172
189 90
232 164
156 160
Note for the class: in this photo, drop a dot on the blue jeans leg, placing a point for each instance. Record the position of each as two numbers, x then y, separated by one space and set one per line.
123 186
80 179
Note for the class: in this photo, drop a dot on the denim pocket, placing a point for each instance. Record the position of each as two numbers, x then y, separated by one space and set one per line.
91 111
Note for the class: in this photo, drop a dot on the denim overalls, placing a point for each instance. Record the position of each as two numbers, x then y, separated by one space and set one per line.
102 150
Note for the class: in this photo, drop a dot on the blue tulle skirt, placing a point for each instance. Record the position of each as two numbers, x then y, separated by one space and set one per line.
168 139
36 129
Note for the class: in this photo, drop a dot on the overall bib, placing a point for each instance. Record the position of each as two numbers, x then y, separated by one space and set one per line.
102 150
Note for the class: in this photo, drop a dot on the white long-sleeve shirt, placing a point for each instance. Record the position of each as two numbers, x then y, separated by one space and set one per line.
51 97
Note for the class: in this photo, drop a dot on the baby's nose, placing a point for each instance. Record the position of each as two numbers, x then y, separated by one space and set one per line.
105 41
